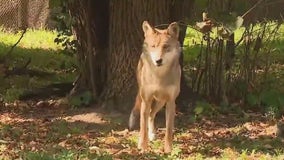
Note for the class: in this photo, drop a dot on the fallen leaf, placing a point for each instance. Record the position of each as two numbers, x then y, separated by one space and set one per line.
3 141
120 133
62 143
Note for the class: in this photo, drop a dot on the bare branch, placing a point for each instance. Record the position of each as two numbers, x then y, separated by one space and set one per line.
19 40
253 7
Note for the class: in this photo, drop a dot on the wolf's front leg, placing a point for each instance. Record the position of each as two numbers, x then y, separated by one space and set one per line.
151 122
170 115
144 115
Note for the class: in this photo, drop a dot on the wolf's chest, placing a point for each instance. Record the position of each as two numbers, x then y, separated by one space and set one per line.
162 92
162 83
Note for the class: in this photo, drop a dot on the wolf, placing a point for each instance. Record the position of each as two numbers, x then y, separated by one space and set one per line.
158 77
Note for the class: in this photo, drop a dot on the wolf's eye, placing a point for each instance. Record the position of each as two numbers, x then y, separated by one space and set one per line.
166 47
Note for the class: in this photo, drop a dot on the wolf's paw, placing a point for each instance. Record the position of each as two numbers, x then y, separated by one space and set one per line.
142 145
151 136
167 149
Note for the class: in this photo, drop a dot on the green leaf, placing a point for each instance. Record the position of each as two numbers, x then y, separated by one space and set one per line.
252 99
87 97
84 98
55 3
270 98
281 99
198 110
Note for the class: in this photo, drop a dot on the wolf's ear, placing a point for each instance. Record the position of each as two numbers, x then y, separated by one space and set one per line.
173 29
147 28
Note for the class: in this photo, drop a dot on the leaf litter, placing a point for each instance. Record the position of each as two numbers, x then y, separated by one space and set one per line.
96 133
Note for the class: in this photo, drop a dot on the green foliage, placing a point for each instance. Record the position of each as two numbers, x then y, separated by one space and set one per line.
203 108
255 78
81 99
270 98
273 102
9 130
220 10
198 109
13 94
37 155
47 59
64 24
64 155
67 155
176 152
33 39
55 3
252 99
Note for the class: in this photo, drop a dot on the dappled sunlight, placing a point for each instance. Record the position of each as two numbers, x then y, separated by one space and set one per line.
101 133
87 118
212 137
30 68
40 38
70 97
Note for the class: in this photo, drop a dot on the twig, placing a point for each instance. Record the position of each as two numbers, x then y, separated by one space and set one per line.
281 16
27 63
240 40
19 40
11 50
271 3
118 152
253 7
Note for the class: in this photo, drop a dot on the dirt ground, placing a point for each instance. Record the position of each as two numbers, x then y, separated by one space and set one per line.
45 127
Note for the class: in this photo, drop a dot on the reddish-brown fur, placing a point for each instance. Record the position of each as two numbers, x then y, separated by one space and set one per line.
158 76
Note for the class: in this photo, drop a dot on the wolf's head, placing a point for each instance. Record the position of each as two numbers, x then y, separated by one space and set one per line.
162 46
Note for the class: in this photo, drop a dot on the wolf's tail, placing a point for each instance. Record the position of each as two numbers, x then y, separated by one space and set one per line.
135 113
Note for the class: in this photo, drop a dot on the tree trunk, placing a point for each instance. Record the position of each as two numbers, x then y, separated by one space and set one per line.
126 39
110 39
181 12
91 28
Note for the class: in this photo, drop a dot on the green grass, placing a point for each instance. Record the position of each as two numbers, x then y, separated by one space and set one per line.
193 40
38 45
32 39
46 57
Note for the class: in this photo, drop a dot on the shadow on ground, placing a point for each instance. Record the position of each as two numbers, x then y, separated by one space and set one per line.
96 132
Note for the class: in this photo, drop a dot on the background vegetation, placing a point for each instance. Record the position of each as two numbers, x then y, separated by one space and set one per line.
234 111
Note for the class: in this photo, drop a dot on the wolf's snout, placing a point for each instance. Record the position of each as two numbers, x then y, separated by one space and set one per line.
159 62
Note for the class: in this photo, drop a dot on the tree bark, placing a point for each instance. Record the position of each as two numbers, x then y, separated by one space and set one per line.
91 29
126 38
110 39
